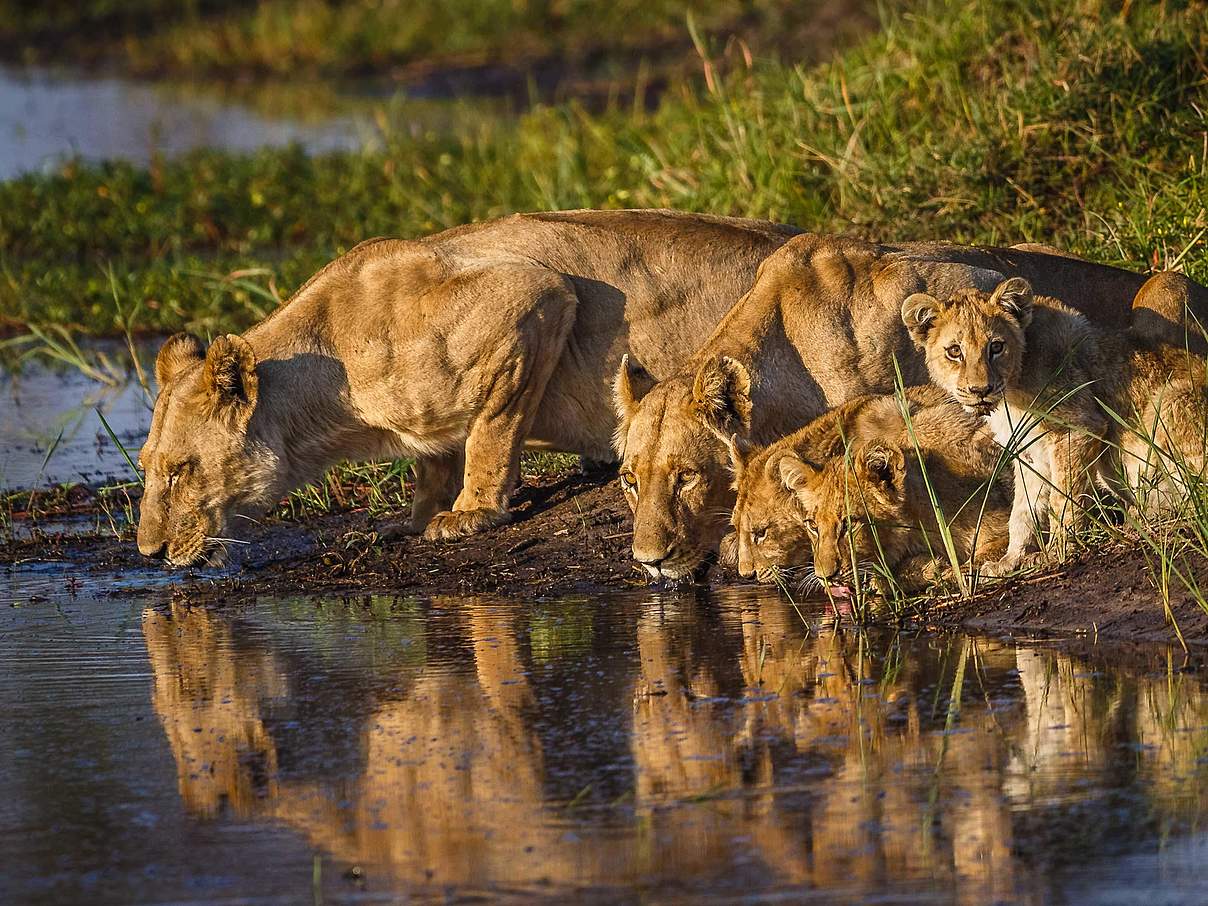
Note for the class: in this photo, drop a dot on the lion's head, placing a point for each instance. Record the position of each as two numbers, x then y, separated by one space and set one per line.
769 527
851 506
205 462
973 342
674 463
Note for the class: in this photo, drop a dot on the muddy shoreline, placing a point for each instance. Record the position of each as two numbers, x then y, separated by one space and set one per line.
571 535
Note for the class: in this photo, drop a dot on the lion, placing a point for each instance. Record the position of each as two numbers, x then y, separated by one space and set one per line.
863 465
457 349
821 325
1077 405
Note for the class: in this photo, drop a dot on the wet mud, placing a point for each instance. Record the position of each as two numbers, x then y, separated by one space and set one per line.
571 534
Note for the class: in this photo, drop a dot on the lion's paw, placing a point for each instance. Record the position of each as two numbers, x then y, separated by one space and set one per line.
997 569
453 524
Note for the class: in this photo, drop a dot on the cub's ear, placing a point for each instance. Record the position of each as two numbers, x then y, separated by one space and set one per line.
721 396
883 467
919 312
178 353
795 473
629 386
230 378
1015 297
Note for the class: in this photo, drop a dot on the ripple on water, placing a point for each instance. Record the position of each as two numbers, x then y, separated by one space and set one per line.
676 746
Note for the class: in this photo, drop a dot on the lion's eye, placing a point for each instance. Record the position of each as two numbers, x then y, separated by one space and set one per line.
996 347
758 535
953 352
688 478
811 527
629 481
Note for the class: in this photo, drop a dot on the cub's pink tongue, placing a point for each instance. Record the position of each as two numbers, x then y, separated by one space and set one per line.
839 591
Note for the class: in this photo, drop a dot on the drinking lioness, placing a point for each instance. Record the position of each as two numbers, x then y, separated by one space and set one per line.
457 349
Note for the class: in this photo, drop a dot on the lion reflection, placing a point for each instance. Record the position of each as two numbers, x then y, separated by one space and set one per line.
816 757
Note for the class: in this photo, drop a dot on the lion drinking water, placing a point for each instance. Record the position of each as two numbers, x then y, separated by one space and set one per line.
458 349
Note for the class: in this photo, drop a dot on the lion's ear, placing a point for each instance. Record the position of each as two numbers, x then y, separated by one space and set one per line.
721 396
230 378
1015 297
631 383
178 353
883 467
739 451
919 312
795 473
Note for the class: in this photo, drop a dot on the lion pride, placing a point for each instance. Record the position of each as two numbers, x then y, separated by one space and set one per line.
458 349
822 324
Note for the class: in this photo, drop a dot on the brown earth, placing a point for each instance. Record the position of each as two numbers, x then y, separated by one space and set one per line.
571 534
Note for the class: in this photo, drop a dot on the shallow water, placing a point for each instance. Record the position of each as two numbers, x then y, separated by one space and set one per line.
636 747
47 116
50 409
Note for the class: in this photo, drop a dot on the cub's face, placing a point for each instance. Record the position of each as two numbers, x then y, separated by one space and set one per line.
769 532
202 465
848 506
974 342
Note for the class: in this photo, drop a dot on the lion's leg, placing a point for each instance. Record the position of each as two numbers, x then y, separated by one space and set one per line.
437 482
1074 457
528 354
920 571
1029 511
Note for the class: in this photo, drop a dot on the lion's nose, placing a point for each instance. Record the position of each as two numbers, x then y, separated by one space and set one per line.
981 390
154 551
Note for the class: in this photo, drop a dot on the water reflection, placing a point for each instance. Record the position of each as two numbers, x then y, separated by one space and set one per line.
676 744
49 430
47 116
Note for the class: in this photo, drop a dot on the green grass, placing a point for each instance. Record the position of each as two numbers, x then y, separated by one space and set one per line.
979 120
342 37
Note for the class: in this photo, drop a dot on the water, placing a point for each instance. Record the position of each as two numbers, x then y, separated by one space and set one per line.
633 748
48 116
48 409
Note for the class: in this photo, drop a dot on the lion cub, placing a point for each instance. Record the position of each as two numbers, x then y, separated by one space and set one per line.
1054 389
851 486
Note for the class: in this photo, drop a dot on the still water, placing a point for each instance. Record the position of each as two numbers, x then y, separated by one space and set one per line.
47 116
50 432
647 748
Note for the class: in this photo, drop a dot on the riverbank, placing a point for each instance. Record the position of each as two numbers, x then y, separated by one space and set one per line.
571 535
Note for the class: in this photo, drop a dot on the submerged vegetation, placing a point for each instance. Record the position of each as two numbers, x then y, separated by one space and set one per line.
1081 125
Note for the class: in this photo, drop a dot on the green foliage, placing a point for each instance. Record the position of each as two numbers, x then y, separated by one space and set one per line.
338 37
990 121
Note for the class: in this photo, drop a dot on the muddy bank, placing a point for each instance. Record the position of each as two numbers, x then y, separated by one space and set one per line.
569 534
572 533
1106 594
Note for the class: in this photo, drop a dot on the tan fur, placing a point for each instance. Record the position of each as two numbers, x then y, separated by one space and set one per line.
1049 382
793 494
821 325
457 349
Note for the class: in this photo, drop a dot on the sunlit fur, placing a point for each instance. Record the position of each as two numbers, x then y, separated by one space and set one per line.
1075 382
806 478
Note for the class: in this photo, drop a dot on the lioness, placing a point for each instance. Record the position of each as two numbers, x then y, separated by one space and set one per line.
850 485
456 349
821 325
1056 388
